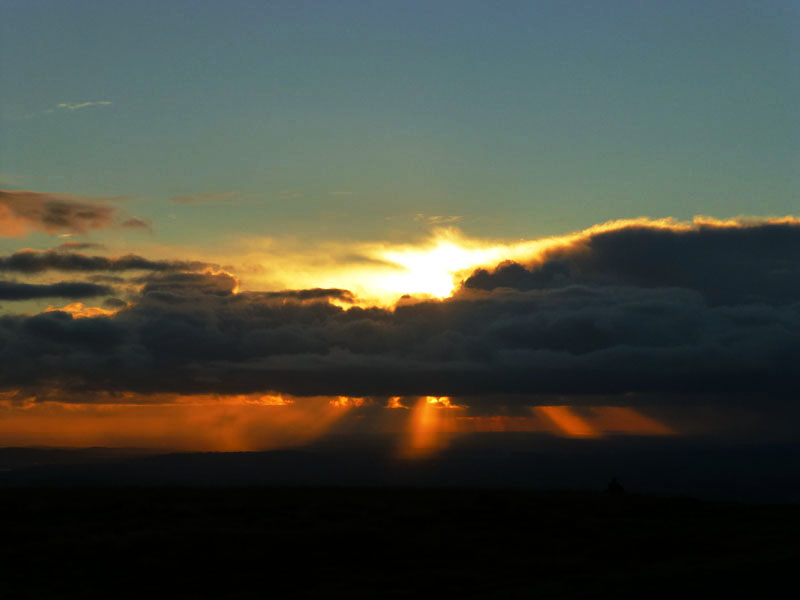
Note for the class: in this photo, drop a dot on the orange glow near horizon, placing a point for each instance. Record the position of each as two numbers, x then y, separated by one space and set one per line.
193 423
429 427
249 422
567 422
623 419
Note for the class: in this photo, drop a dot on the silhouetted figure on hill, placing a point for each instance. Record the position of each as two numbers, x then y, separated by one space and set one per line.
615 487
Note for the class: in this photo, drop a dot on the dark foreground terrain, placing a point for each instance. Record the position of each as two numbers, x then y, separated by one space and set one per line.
278 542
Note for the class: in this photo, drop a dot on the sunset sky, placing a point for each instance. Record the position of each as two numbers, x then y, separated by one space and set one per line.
245 225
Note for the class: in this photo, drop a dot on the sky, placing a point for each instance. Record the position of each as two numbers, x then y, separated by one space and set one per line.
562 217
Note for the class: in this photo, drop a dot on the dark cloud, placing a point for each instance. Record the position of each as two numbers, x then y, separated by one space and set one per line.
11 290
31 261
726 264
182 286
579 323
312 294
22 211
114 303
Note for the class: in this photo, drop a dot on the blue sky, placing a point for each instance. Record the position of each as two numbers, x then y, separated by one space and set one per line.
347 119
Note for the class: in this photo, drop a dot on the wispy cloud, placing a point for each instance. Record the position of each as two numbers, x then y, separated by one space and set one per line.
436 219
79 105
137 223
60 107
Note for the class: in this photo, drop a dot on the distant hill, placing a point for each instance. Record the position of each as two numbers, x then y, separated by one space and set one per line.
697 468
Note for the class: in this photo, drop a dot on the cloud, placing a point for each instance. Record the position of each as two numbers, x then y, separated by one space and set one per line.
23 211
587 319
179 286
80 105
728 264
311 294
11 290
136 223
437 220
32 261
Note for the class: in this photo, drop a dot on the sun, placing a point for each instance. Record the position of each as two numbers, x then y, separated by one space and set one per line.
429 271
381 273
435 267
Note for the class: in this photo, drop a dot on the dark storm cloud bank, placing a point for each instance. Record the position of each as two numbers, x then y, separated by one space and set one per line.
31 261
726 265
715 314
11 290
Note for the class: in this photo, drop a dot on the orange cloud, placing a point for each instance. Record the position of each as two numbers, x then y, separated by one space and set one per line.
23 211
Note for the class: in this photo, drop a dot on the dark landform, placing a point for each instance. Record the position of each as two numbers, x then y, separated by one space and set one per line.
353 521
701 468
353 542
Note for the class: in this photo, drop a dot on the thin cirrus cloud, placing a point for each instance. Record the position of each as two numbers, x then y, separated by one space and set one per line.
137 223
81 105
65 107
642 312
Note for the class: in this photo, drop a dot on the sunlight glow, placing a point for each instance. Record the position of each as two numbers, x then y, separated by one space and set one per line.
436 267
380 273
567 422
79 310
430 427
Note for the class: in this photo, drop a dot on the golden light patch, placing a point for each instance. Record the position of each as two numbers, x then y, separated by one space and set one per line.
80 311
395 402
348 402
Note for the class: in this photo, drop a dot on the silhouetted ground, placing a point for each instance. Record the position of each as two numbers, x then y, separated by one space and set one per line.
706 469
258 542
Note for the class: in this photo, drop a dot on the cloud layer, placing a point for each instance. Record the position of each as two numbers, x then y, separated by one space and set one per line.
633 310
726 264
32 261
11 290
